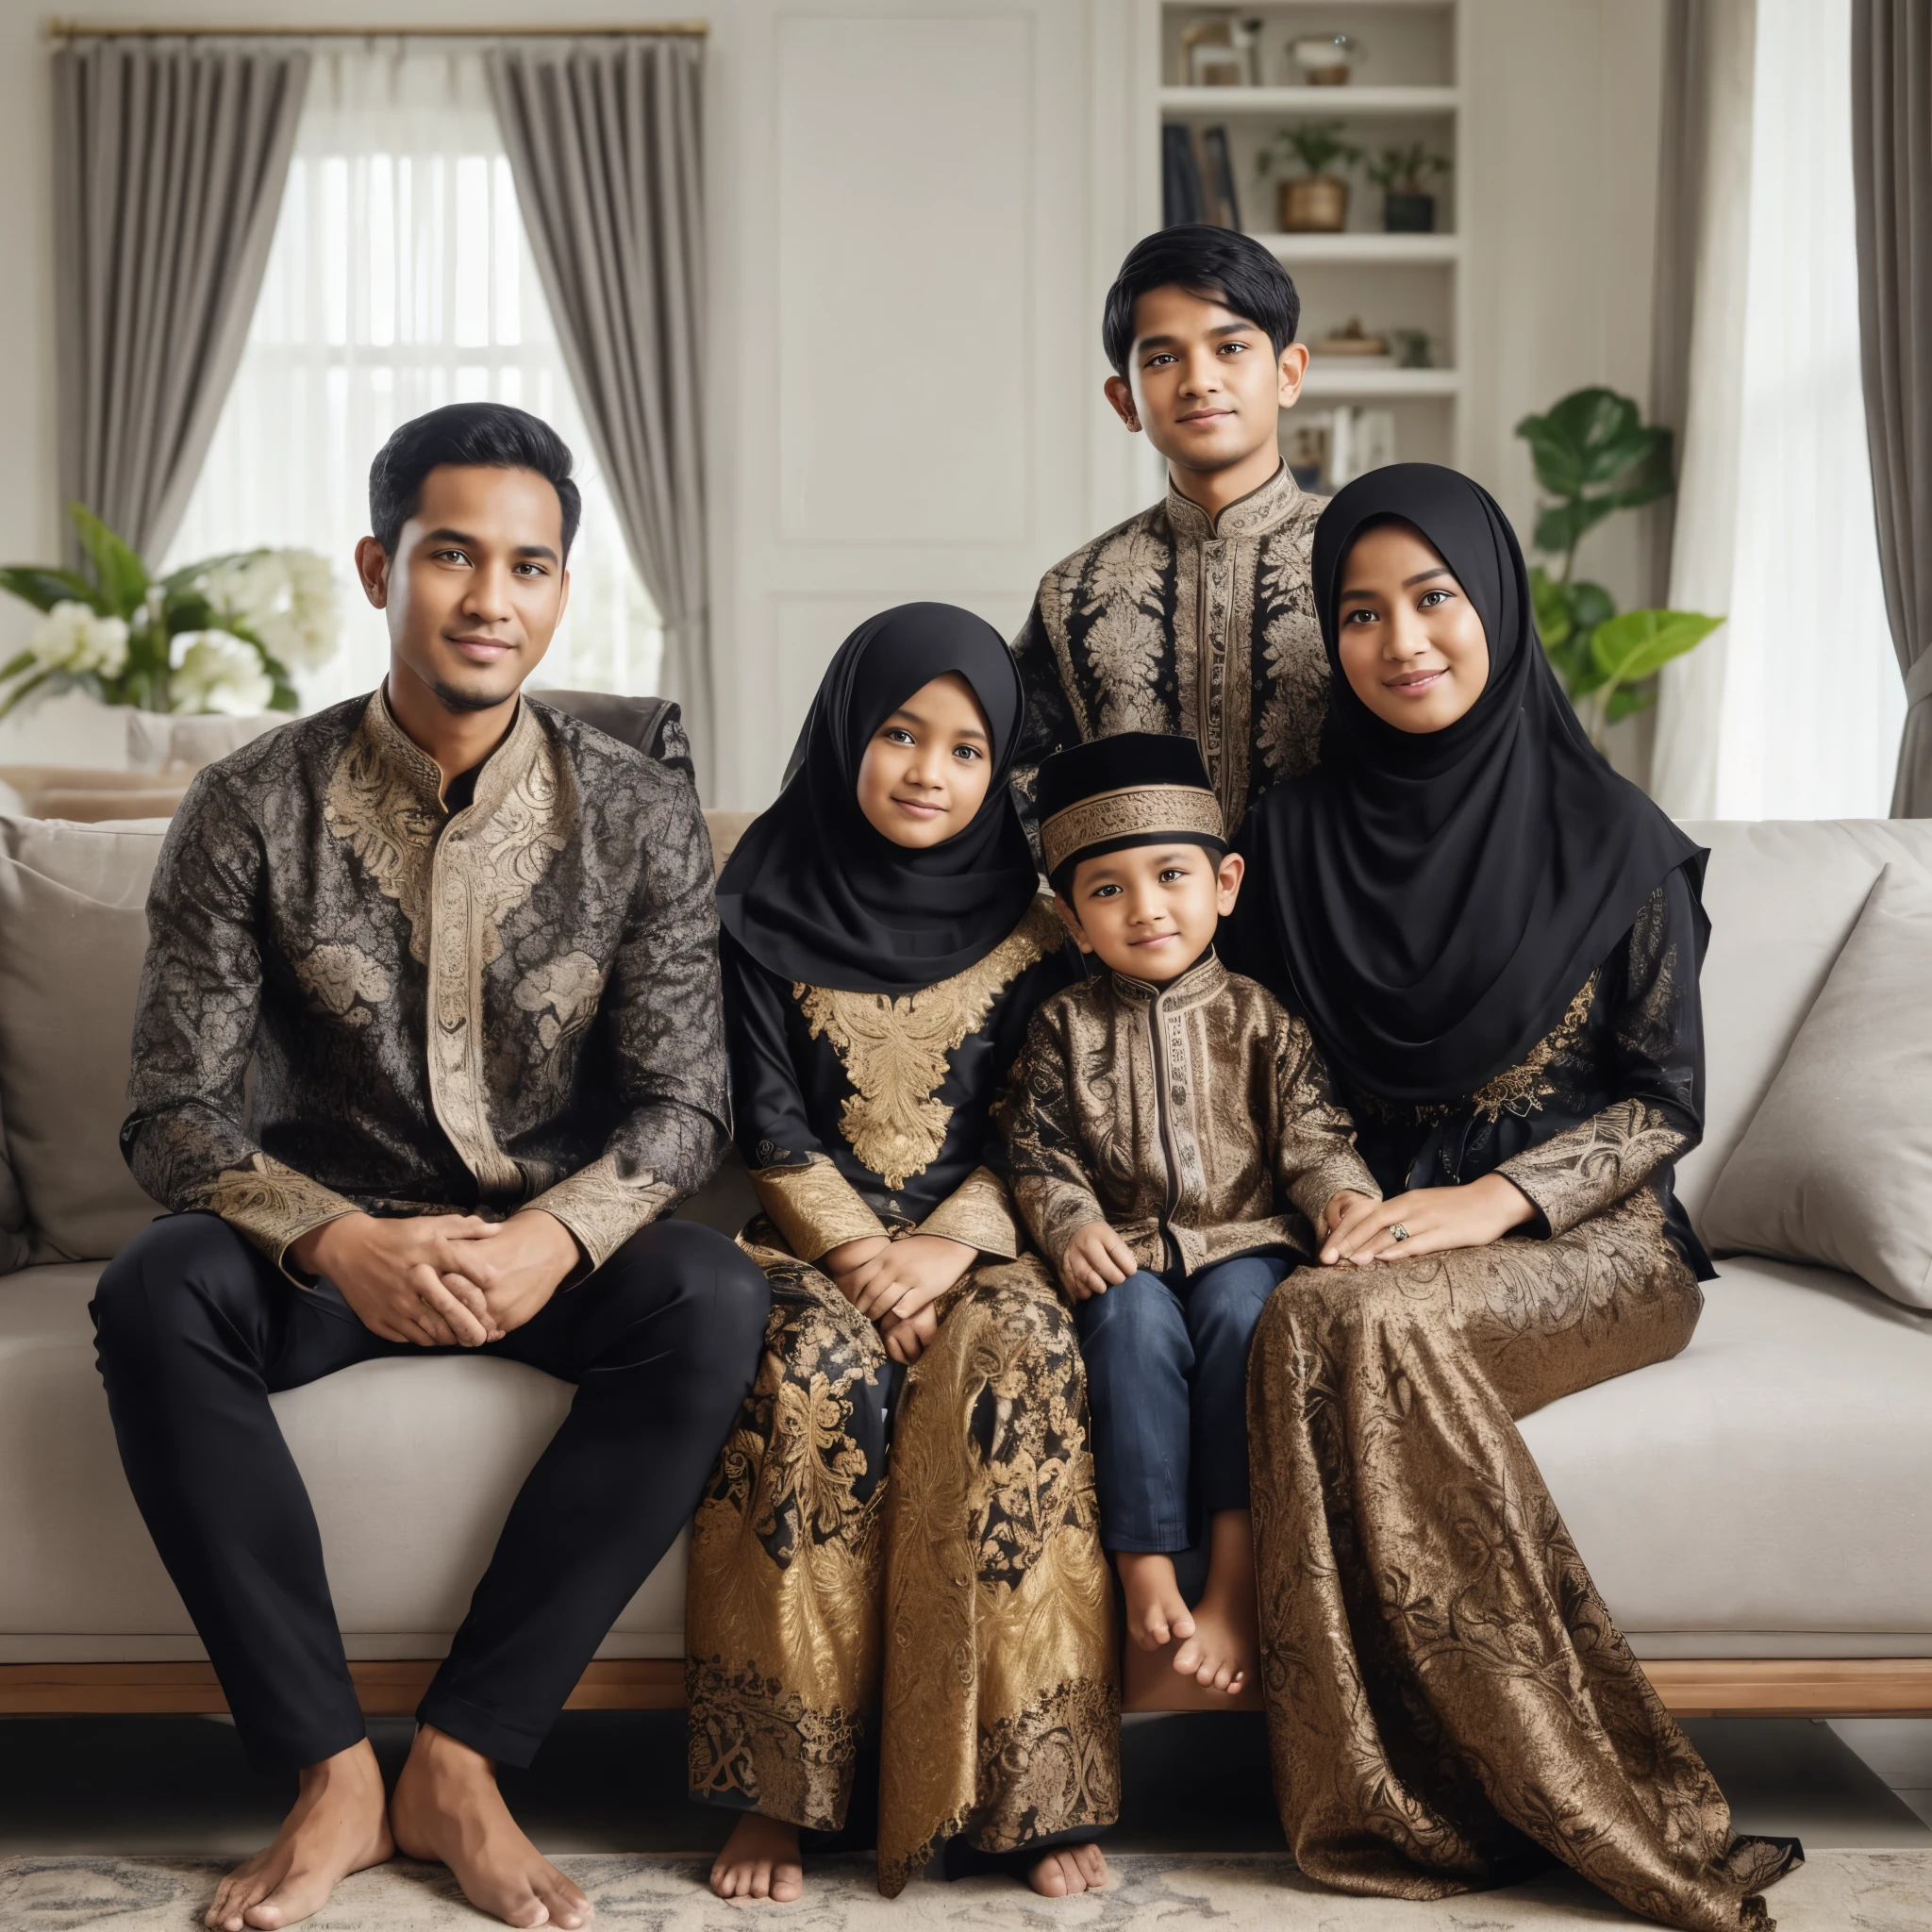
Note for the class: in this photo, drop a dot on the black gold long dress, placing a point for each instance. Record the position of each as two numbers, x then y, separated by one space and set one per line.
1449 1702
957 1609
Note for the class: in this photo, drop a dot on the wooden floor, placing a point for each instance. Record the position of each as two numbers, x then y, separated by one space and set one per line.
1775 1687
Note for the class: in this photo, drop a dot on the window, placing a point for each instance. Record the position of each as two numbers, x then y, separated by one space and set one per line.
400 279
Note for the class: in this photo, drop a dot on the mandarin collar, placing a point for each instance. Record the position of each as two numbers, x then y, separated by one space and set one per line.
1200 981
500 771
1253 515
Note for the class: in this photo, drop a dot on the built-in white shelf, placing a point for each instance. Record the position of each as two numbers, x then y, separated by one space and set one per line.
1330 103
1331 376
1365 249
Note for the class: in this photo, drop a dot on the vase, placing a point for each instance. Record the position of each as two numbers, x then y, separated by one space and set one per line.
1314 205
1409 214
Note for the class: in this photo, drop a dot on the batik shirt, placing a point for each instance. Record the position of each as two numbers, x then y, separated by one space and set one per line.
862 1114
514 1003
1608 1102
1200 627
1195 1118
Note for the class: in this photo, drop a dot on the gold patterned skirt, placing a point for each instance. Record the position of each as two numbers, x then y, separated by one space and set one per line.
1449 1703
954 1608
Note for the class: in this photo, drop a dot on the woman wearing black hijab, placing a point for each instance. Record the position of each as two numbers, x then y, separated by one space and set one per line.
1496 942
884 947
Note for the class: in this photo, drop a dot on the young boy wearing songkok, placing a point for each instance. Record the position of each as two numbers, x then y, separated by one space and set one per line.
1175 1151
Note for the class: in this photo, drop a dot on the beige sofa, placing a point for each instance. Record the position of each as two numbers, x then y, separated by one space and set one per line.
1758 1512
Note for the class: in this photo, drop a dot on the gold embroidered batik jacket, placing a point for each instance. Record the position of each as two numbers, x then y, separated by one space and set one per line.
511 1004
1195 1118
861 1114
1605 1104
1198 627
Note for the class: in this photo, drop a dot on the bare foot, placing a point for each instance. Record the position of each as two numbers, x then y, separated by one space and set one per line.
447 1809
759 1861
1156 1612
1068 1869
337 1827
1222 1653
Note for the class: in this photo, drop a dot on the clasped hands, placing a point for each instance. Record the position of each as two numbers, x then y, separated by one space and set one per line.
441 1280
897 1283
1356 1229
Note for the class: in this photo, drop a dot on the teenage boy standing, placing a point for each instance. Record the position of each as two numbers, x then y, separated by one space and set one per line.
1195 617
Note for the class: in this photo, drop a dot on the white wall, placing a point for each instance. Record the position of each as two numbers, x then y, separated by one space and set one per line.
916 206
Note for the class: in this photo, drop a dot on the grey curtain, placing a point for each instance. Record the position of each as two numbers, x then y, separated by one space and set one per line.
169 162
1891 169
605 139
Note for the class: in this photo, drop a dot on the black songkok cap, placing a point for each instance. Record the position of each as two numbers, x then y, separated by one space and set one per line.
1138 788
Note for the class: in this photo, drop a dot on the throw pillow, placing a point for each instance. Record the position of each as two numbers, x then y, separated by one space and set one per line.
73 933
1836 1166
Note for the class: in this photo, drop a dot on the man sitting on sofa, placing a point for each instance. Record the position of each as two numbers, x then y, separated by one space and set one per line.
470 945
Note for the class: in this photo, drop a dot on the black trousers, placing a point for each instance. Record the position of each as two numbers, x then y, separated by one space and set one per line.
194 1329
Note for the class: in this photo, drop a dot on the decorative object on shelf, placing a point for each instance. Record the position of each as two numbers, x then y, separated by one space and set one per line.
1223 52
1224 207
1349 341
1327 448
1315 203
1306 455
1407 208
1412 348
218 635
1594 454
1324 60
1182 197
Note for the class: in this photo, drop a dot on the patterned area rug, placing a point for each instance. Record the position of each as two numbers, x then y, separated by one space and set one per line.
1836 1892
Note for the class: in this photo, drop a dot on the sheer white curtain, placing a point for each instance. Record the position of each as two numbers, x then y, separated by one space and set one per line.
1793 709
400 279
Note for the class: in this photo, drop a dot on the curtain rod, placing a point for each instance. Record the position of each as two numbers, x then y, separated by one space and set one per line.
76 29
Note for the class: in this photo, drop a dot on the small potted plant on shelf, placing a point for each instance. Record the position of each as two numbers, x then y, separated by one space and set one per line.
1315 202
1407 208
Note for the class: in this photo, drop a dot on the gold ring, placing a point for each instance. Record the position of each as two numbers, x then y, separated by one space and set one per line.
1399 1230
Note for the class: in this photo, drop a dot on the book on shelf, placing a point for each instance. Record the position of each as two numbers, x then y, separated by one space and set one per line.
1217 170
1181 197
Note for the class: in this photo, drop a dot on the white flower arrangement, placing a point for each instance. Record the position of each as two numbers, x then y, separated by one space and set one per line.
222 635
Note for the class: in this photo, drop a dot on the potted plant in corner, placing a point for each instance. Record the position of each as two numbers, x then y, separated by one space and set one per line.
218 635
1594 454
1315 202
1407 208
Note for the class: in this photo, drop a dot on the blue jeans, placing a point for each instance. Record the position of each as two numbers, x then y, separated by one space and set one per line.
1167 1379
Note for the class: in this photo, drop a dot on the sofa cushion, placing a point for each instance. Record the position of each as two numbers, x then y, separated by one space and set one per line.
1836 1166
1775 1478
403 1555
1783 897
71 935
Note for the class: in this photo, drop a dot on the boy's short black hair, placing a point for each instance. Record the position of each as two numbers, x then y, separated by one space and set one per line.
488 435
1218 265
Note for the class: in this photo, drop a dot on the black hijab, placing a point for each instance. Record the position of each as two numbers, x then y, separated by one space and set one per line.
1432 902
815 894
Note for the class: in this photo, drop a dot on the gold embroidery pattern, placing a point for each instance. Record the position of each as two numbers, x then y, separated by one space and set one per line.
978 1211
381 804
1522 1090
1594 1164
782 1618
814 1207
273 1204
603 1208
1123 598
1001 1712
1439 1671
1128 813
896 1052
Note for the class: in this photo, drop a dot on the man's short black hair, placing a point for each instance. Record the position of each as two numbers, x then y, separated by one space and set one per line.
1218 265
486 435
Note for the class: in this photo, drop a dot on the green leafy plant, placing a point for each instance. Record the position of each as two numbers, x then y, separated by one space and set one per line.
1399 170
1595 456
221 635
1316 144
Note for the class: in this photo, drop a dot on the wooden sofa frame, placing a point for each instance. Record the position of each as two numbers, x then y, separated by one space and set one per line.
1718 1687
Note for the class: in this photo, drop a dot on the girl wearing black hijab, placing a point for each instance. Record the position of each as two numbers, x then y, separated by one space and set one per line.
1496 942
884 946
